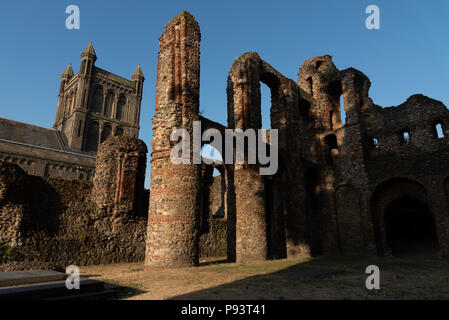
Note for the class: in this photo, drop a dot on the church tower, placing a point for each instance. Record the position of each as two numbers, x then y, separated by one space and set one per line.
94 104
66 76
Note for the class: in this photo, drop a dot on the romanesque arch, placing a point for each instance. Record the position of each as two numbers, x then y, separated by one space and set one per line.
403 219
244 112
266 213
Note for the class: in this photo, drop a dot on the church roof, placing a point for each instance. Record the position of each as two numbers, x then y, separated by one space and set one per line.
29 134
89 50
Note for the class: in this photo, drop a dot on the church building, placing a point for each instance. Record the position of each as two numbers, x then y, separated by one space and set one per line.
93 105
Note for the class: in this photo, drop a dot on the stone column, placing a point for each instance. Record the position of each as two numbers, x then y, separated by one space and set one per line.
114 106
244 113
173 220
105 94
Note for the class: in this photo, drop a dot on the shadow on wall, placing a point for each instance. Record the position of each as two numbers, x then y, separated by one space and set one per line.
30 201
42 209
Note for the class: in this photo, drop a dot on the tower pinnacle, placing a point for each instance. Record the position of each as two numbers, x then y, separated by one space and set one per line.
68 72
138 72
89 51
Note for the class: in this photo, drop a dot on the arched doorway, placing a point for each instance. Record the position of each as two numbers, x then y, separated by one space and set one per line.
403 221
410 228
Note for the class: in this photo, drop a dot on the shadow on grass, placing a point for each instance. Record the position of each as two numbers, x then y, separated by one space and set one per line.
338 277
116 291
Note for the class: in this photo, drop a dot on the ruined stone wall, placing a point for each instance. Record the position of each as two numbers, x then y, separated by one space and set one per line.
213 239
419 116
320 200
426 168
120 176
368 148
173 219
59 222
285 228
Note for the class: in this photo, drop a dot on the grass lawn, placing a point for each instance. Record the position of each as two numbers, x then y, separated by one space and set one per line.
279 279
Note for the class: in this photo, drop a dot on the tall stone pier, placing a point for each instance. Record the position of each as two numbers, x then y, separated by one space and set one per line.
244 113
173 221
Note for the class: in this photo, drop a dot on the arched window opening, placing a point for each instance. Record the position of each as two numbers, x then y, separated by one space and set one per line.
92 137
375 143
265 105
106 133
97 101
108 105
342 110
121 108
269 87
405 137
310 81
332 148
331 141
209 152
119 132
439 133
335 92
304 110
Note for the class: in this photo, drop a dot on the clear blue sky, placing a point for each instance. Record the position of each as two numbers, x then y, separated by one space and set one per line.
408 55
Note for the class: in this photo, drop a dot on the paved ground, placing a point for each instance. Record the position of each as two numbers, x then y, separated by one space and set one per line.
318 278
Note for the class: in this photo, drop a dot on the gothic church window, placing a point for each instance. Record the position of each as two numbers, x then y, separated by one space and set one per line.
121 105
106 133
119 132
97 101
108 105
92 137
